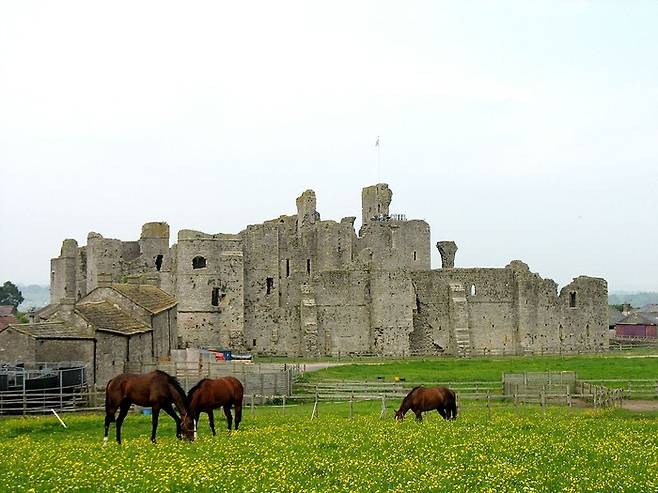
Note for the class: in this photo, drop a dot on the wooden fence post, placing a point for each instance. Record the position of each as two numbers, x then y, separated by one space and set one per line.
383 413
314 414
61 391
24 396
488 405
262 385
542 401
594 397
252 404
284 405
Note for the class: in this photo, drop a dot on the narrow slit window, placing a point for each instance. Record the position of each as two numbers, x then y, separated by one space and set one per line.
198 262
287 267
158 262
215 297
308 265
572 300
415 256
270 284
473 290
253 342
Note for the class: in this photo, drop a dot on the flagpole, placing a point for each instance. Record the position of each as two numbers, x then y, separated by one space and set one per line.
379 161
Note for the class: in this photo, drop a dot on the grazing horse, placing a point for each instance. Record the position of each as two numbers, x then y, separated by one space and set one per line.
426 399
210 394
157 390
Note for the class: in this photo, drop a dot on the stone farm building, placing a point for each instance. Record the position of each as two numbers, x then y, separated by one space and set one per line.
301 286
104 329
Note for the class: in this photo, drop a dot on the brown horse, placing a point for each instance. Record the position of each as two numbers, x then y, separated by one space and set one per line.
157 390
210 394
422 399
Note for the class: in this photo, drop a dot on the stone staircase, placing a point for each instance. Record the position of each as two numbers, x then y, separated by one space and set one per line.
459 319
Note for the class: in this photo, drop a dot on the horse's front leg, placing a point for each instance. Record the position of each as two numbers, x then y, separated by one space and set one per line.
154 421
211 421
419 416
442 411
170 411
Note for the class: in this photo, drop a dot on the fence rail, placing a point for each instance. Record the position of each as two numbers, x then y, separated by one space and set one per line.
595 393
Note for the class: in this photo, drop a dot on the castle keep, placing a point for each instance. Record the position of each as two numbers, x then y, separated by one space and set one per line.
301 286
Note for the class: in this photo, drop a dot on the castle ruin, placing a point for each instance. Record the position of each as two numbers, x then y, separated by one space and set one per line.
301 286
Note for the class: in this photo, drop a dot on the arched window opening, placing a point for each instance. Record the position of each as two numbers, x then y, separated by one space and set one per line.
158 262
270 284
198 262
572 299
472 290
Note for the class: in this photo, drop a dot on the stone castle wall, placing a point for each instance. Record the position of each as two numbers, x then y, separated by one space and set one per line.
300 285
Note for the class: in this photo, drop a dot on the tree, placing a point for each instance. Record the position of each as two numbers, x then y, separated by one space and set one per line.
10 295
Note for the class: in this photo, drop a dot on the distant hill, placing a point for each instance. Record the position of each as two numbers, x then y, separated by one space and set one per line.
635 299
35 296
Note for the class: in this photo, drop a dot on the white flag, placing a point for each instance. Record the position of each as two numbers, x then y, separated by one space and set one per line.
377 142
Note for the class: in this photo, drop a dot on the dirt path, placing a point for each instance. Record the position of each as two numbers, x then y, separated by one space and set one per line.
319 366
637 405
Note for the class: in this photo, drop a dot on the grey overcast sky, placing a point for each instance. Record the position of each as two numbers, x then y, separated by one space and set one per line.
520 130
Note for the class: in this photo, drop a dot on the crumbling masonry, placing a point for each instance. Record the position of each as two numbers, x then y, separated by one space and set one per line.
301 286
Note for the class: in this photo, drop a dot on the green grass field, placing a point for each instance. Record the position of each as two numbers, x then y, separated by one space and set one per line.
590 367
517 449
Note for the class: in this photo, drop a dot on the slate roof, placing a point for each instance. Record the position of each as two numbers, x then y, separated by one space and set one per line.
46 311
638 318
6 320
151 298
108 317
614 315
6 310
53 330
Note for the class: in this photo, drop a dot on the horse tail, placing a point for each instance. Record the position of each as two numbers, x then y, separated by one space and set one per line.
108 404
239 394
453 404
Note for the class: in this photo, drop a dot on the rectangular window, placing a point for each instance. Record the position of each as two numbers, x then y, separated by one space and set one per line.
253 342
287 267
270 284
215 297
572 300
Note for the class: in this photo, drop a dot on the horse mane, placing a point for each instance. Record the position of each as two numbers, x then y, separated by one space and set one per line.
175 384
195 388
411 393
